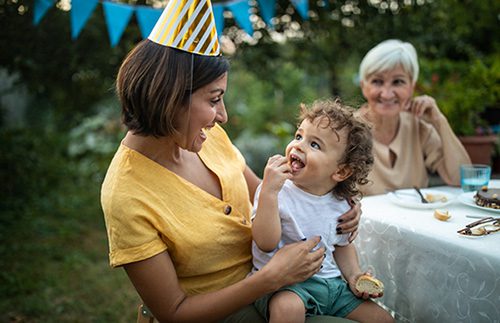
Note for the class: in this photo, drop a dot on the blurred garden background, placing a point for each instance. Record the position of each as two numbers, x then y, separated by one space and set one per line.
59 120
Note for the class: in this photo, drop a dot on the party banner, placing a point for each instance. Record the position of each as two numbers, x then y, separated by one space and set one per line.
267 10
241 13
41 8
117 15
80 13
146 18
218 10
302 7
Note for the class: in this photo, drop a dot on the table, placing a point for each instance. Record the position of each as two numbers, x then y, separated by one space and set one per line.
430 273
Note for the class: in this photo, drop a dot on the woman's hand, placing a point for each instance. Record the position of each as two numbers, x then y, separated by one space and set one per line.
425 107
349 221
294 263
364 295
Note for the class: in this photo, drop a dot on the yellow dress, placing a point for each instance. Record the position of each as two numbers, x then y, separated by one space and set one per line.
149 209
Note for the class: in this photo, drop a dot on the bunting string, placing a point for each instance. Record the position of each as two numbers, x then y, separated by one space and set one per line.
117 15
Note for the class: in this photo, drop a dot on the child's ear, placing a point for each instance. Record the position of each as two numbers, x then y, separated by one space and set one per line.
342 173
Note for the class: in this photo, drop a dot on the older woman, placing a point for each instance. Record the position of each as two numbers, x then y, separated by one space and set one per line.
411 135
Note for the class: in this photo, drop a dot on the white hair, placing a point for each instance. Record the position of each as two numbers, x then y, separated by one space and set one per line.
387 55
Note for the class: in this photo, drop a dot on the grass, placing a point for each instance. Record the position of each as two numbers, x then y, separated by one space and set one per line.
55 269
53 246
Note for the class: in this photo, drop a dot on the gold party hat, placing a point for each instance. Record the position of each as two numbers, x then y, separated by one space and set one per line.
188 25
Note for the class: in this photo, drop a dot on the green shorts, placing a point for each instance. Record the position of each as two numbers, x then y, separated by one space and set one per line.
321 296
249 314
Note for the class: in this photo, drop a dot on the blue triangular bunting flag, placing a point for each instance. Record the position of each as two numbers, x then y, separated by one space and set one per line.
218 10
267 10
40 9
117 16
147 18
302 7
80 13
240 10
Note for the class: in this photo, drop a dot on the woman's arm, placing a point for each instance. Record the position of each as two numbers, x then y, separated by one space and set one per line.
156 282
454 153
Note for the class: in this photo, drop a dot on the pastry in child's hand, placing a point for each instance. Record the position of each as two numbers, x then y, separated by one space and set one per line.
370 285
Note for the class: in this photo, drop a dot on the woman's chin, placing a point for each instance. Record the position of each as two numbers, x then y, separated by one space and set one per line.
389 111
197 144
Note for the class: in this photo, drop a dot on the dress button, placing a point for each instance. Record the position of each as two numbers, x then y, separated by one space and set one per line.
227 209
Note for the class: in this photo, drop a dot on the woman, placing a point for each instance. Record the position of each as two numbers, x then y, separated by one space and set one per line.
176 197
411 135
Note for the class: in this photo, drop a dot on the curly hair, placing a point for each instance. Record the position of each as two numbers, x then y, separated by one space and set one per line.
358 155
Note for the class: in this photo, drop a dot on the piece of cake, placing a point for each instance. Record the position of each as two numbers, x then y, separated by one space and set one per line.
488 197
432 198
442 215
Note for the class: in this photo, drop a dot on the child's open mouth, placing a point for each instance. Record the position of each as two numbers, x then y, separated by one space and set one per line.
296 163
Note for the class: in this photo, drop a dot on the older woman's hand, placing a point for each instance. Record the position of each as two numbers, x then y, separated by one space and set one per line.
349 221
294 263
425 107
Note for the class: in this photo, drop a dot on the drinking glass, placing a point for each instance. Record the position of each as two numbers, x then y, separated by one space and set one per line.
474 176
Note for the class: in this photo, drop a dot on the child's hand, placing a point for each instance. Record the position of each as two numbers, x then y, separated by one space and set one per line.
364 295
276 172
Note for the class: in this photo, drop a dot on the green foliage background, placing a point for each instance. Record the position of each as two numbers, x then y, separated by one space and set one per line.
53 243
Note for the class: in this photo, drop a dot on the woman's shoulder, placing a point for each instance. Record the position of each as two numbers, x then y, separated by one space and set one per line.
127 174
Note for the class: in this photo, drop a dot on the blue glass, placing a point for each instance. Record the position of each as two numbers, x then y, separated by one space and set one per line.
474 176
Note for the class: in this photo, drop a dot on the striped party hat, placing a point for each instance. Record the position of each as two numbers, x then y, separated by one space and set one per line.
188 25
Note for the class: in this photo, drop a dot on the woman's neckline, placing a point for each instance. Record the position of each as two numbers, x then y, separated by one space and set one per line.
384 130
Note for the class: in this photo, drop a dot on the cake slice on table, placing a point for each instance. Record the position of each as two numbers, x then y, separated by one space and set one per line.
488 197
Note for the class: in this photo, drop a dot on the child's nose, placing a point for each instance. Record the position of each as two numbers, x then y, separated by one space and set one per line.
298 145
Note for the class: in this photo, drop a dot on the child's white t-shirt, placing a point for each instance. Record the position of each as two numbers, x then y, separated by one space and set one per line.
303 216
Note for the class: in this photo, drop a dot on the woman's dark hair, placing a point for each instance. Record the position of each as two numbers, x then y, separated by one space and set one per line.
154 85
358 155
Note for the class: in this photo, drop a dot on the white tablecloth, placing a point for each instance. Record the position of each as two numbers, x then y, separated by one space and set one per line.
431 274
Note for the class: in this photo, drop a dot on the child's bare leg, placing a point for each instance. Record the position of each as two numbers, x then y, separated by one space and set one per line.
286 307
370 312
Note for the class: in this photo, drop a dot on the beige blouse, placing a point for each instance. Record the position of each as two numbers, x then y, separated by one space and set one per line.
418 147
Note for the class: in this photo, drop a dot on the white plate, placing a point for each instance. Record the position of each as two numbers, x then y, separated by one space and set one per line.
467 198
471 236
409 198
